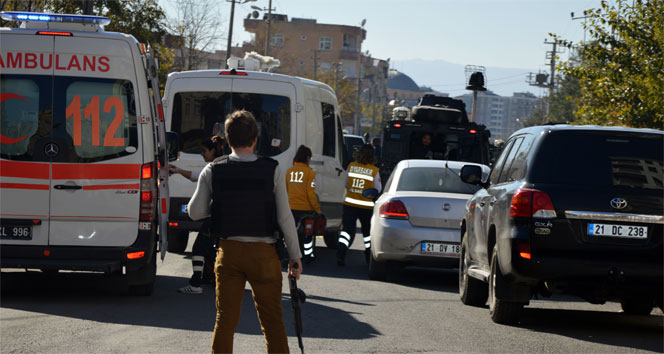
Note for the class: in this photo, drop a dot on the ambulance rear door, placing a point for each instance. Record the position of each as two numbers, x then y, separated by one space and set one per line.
96 176
26 83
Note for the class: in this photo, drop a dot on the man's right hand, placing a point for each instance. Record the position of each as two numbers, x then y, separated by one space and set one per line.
295 268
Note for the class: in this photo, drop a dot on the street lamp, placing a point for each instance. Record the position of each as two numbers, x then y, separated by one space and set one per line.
230 27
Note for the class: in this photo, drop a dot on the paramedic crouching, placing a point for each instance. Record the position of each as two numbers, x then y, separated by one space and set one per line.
246 197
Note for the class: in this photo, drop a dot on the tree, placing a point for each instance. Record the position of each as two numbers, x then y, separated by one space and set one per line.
195 28
621 74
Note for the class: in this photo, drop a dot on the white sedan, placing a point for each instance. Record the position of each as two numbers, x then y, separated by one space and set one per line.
416 220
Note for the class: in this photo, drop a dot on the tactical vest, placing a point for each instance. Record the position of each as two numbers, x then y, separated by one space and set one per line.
360 178
243 200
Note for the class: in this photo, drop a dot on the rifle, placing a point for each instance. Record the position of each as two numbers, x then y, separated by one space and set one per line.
297 296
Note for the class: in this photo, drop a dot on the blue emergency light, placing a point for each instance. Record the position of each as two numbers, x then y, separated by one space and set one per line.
37 16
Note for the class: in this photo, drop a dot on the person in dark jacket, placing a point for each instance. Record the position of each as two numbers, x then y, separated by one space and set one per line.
246 197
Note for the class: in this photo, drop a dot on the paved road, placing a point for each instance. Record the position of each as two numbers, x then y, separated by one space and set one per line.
418 311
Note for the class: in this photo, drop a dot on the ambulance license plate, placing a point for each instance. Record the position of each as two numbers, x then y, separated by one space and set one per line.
440 249
15 232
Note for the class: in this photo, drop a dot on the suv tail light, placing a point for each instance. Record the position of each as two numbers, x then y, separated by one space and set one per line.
394 209
148 192
528 203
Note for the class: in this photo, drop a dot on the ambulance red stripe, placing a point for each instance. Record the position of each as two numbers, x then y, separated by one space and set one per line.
111 186
20 169
96 171
41 187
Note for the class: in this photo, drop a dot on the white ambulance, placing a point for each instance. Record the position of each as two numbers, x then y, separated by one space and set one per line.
83 166
290 111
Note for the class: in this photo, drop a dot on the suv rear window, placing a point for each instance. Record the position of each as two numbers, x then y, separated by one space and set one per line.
196 113
632 160
434 179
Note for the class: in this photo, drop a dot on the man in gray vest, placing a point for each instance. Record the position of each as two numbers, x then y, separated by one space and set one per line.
246 197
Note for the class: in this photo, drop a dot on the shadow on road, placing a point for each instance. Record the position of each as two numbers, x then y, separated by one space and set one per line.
94 297
610 328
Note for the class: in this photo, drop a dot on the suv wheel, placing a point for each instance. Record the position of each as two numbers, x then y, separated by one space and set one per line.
636 306
501 311
177 240
377 269
473 292
331 238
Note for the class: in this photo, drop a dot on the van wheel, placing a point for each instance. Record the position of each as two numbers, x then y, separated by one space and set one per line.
501 311
377 269
148 273
331 238
636 306
473 292
177 240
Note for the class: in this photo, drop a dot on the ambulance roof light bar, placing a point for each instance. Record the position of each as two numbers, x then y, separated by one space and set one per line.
44 17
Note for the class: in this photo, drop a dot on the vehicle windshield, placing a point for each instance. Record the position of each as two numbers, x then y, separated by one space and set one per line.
446 146
195 115
434 179
607 159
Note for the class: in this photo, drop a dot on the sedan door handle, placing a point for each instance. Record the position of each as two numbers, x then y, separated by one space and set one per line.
493 201
66 186
338 171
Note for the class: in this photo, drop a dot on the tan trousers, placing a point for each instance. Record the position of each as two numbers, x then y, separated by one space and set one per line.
256 262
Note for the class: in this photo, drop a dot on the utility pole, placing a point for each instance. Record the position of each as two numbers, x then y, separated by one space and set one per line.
230 28
552 64
315 63
87 7
358 110
336 77
267 31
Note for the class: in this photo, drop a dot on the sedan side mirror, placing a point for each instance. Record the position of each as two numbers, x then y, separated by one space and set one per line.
471 174
371 193
172 145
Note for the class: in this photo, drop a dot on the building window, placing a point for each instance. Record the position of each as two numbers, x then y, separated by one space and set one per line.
350 43
301 63
277 40
303 37
325 43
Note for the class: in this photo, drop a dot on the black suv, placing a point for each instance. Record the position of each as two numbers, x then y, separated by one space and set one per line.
566 209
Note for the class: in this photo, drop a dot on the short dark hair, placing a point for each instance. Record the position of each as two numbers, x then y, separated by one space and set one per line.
366 155
241 128
303 153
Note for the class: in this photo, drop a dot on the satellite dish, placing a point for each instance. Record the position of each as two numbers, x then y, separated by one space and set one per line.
254 14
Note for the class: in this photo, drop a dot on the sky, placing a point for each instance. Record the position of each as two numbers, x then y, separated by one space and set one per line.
490 33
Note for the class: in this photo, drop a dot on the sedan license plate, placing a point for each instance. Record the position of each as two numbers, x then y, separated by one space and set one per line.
15 232
639 232
440 249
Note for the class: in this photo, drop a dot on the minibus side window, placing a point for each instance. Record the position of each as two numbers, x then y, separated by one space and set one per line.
328 129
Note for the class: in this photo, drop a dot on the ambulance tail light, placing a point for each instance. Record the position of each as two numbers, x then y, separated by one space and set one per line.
54 33
148 192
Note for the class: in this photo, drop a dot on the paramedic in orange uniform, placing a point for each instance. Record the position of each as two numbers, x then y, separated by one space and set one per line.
301 187
362 175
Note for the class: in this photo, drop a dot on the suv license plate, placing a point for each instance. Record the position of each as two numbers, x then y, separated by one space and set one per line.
441 249
16 232
639 232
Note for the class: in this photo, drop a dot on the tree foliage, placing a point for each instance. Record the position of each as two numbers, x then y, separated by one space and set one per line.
195 29
621 73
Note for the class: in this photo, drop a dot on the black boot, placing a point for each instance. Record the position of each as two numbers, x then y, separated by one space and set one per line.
341 254
367 255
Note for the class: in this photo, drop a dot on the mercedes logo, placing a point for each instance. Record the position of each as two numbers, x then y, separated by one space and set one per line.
618 203
51 149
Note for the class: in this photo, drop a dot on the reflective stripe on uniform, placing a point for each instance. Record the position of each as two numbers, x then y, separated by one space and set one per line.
359 175
198 259
308 251
198 268
344 238
358 202
367 241
309 245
